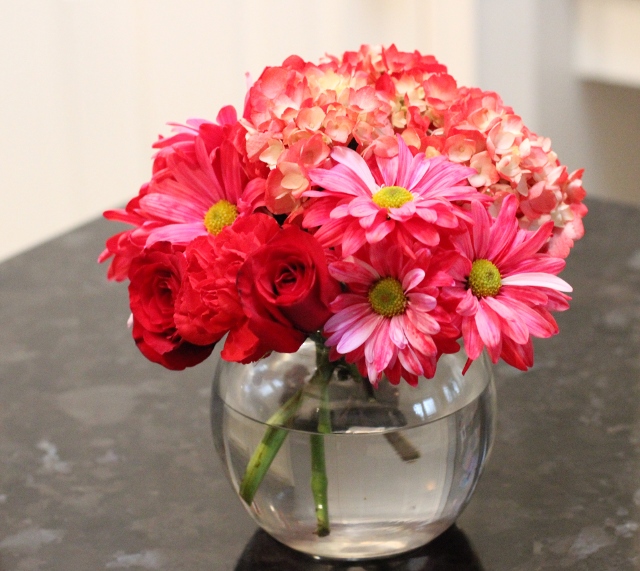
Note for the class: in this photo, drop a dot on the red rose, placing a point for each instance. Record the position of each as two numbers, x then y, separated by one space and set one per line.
156 276
208 305
285 289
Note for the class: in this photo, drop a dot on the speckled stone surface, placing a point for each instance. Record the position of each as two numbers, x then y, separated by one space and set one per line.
106 460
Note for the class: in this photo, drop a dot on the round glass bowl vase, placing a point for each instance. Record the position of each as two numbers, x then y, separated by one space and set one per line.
396 464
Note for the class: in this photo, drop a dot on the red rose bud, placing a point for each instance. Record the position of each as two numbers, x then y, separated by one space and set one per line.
285 289
156 276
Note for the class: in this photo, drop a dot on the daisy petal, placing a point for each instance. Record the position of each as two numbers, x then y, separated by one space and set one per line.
421 301
396 332
171 209
511 324
419 341
410 361
340 211
468 306
355 163
354 238
488 325
412 278
348 272
382 350
356 336
176 233
504 230
389 169
362 206
339 181
423 321
345 300
378 232
347 315
538 279
472 342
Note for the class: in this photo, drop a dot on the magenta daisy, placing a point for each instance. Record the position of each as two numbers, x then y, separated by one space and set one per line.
506 287
405 194
199 198
387 319
198 187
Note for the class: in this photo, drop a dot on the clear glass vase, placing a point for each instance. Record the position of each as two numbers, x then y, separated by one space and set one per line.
399 462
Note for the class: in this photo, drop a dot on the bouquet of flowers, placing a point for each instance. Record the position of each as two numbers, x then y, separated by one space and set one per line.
367 202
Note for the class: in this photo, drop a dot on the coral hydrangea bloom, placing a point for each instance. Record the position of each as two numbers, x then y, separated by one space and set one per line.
387 320
409 196
506 287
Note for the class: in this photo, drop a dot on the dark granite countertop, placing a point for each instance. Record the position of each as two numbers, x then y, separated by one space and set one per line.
107 462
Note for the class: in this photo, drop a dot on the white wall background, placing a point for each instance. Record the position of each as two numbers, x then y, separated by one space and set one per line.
87 85
571 68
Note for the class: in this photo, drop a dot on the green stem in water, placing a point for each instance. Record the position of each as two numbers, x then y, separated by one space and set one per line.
275 434
403 447
268 448
319 480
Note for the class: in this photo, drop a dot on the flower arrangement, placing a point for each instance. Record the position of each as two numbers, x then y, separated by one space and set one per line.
368 198
367 202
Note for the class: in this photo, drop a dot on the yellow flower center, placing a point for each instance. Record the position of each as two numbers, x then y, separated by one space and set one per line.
387 298
484 279
221 214
392 197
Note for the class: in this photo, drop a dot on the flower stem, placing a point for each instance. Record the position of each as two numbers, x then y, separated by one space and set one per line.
319 480
403 447
268 448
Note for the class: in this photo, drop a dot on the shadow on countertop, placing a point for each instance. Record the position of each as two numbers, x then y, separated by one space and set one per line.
451 551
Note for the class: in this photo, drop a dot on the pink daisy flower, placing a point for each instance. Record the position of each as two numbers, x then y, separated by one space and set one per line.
388 318
407 195
505 286
198 187
199 199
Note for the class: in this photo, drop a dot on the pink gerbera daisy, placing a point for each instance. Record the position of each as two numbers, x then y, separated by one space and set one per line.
198 187
388 318
199 199
409 195
506 287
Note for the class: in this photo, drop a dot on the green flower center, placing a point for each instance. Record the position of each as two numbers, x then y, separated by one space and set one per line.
387 298
484 279
221 214
392 197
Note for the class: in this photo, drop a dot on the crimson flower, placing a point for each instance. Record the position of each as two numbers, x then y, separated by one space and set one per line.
155 279
208 306
285 289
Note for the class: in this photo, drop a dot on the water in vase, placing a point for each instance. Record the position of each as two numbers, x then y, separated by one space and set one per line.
389 490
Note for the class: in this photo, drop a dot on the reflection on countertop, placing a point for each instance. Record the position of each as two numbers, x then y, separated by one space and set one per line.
451 551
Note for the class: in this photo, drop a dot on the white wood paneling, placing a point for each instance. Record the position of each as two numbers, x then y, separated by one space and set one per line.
608 41
87 85
508 36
